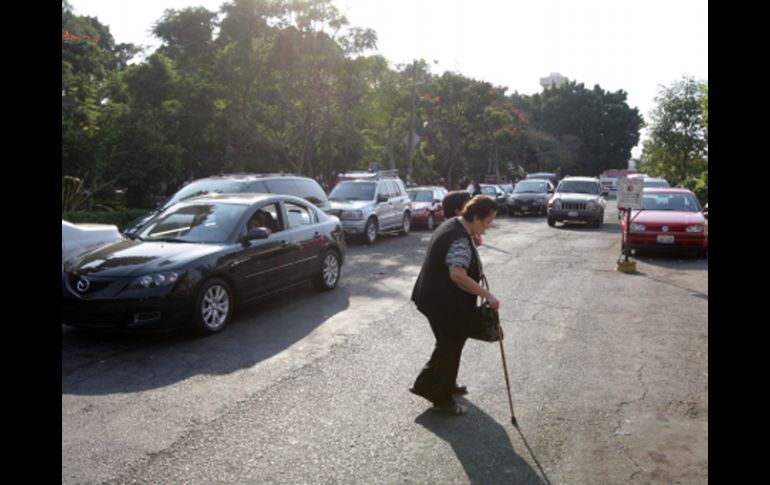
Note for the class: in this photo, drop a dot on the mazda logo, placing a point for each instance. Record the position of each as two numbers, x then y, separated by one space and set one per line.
665 228
82 285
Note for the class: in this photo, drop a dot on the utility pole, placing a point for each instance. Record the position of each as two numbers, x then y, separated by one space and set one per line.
411 123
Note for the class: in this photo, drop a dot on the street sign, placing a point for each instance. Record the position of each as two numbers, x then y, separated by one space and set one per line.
630 193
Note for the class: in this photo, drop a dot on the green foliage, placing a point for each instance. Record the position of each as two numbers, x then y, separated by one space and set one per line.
677 148
598 125
288 86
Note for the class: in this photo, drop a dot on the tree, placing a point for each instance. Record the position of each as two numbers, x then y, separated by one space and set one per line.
89 58
677 148
598 123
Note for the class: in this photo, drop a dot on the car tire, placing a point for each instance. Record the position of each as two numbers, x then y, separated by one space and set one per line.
370 231
329 274
213 307
551 221
406 224
599 221
430 222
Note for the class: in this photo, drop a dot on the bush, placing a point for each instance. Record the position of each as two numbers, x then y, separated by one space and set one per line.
118 217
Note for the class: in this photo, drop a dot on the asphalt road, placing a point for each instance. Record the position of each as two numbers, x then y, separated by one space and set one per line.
609 373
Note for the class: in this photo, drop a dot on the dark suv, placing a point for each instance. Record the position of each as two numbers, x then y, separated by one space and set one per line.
296 185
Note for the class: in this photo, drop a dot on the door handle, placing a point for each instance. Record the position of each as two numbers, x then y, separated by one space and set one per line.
284 243
318 235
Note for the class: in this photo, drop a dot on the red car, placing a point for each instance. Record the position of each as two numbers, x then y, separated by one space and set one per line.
670 219
427 210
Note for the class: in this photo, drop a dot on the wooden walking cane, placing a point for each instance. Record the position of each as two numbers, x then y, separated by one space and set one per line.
507 382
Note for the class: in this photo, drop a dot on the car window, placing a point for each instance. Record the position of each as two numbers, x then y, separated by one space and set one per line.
282 186
383 188
578 186
275 215
421 195
201 187
258 187
298 215
531 187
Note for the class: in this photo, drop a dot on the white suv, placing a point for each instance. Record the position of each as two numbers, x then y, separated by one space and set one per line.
370 203
578 199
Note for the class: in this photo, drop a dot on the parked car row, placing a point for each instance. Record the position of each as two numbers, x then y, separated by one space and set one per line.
196 258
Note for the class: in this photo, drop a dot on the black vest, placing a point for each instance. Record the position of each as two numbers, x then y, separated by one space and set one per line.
435 294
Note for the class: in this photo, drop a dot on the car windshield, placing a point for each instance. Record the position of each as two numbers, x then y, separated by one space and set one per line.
670 202
530 187
353 191
197 223
421 195
488 191
202 187
578 187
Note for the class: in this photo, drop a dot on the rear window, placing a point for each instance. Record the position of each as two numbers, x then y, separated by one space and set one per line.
202 187
421 195
312 192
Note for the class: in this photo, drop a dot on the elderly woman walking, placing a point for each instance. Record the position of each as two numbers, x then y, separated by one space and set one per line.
446 292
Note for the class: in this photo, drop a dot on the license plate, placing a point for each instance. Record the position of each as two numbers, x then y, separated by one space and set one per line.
572 214
665 239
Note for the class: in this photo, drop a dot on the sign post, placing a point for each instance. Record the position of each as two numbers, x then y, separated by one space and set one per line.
629 198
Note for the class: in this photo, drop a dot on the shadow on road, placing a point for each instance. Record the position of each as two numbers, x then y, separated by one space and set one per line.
483 447
96 363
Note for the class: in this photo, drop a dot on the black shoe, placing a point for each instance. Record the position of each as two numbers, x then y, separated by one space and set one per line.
421 393
461 390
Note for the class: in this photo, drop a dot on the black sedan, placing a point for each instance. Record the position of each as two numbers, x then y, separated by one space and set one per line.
529 195
191 264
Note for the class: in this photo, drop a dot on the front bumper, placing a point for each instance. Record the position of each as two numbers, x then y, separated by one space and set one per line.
668 241
353 227
529 206
574 215
160 309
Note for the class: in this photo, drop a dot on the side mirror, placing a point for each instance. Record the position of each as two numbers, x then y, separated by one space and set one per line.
257 233
382 198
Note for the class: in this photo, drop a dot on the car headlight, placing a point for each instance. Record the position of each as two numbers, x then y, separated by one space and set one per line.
554 203
638 227
156 280
354 215
695 228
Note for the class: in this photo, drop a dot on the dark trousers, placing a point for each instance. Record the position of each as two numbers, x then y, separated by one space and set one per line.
438 377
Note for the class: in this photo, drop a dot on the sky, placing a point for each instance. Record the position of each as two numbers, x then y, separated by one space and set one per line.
637 46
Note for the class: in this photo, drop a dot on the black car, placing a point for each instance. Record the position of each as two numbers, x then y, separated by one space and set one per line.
296 185
529 195
195 261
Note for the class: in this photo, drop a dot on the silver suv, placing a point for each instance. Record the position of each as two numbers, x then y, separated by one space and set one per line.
578 199
370 203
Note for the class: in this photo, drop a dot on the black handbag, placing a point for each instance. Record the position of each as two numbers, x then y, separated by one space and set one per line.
485 321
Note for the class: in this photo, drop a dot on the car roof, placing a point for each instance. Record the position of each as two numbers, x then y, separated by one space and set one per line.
673 190
581 179
425 187
242 198
249 176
